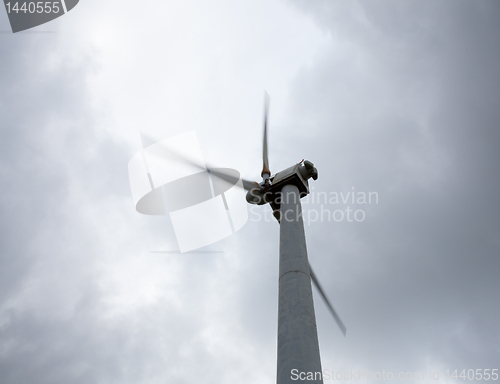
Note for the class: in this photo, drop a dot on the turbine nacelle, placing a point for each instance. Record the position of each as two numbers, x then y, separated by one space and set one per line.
269 190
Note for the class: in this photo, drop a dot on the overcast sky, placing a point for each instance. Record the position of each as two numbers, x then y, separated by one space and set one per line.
401 98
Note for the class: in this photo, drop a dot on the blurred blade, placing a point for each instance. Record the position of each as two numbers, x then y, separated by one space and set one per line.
226 176
217 172
327 302
265 158
248 185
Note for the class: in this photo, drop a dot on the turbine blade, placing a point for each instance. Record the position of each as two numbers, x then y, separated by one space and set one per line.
217 172
327 302
265 158
230 178
248 185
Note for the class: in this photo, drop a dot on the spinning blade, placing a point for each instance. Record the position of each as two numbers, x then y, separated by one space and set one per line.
215 171
327 302
265 158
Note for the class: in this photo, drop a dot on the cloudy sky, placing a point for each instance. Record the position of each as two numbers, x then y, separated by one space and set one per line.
401 98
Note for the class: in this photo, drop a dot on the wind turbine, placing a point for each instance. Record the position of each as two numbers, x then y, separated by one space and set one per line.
297 334
298 347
